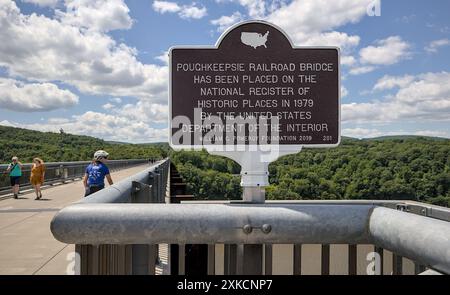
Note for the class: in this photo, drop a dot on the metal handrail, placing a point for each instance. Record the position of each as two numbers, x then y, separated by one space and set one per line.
212 224
72 163
421 232
426 240
421 238
122 191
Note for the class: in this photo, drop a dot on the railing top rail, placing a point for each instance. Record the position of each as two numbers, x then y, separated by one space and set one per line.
212 223
389 224
410 235
48 164
424 209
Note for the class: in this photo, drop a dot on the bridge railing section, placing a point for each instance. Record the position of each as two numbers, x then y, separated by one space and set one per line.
118 256
58 172
115 235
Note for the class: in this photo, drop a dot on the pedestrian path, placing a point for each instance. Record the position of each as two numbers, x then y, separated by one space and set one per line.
26 244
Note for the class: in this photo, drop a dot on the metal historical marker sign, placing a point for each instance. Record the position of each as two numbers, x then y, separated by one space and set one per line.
254 87
253 98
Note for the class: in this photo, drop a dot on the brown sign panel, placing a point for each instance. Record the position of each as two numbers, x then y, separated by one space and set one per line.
255 73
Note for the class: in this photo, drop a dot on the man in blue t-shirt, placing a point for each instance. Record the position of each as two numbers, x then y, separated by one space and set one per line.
94 179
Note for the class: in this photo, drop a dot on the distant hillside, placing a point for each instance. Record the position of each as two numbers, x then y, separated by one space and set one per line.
403 137
27 144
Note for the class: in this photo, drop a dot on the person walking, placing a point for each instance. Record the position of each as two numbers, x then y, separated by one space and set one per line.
15 173
94 178
37 176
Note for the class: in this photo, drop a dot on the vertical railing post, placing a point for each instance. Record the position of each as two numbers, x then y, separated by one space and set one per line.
211 259
268 260
181 259
397 264
250 257
352 260
144 256
325 261
380 253
230 259
297 259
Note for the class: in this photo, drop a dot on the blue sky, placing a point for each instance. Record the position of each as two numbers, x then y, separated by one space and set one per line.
97 67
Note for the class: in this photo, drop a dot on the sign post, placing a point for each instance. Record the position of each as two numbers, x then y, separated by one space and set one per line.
254 97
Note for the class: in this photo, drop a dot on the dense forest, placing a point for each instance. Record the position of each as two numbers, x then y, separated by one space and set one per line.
56 147
413 168
208 177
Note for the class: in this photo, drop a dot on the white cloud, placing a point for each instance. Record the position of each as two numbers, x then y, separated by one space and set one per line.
386 52
313 22
308 22
165 6
44 49
348 60
342 40
434 46
433 133
42 3
144 111
425 97
76 52
390 82
192 11
361 70
361 132
108 106
7 123
226 21
117 100
164 57
105 126
35 97
132 122
184 11
100 15
256 8
344 92
302 18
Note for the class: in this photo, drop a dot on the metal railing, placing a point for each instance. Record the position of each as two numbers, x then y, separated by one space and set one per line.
114 235
59 172
117 256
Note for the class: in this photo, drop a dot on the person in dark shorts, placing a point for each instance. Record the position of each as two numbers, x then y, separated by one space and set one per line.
94 178
15 173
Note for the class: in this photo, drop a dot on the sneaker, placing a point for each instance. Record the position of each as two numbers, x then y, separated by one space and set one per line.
15 196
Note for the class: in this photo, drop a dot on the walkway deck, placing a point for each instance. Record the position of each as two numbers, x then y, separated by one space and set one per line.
26 244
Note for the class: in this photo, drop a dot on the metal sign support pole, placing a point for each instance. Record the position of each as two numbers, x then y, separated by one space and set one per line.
254 179
254 167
